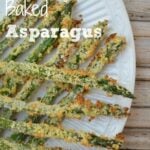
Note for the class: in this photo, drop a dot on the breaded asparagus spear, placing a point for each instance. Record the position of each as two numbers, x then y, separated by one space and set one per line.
77 109
46 131
75 77
12 18
108 54
28 22
7 144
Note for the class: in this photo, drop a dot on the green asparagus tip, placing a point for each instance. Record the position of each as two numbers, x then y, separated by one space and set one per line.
110 86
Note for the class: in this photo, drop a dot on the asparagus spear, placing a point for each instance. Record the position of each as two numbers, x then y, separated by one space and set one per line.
77 109
46 131
28 22
74 77
114 44
12 18
7 144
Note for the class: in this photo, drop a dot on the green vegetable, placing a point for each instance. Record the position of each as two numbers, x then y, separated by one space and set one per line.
74 77
6 144
84 107
108 54
46 131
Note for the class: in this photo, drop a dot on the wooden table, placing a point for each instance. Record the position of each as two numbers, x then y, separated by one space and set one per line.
137 130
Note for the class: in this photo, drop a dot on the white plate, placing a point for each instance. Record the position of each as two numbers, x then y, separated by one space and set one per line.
123 69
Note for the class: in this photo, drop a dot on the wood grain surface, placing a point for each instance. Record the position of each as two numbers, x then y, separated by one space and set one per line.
137 131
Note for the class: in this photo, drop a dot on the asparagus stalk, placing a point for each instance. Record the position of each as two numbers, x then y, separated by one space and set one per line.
46 131
12 18
114 45
74 77
7 144
28 22
77 109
